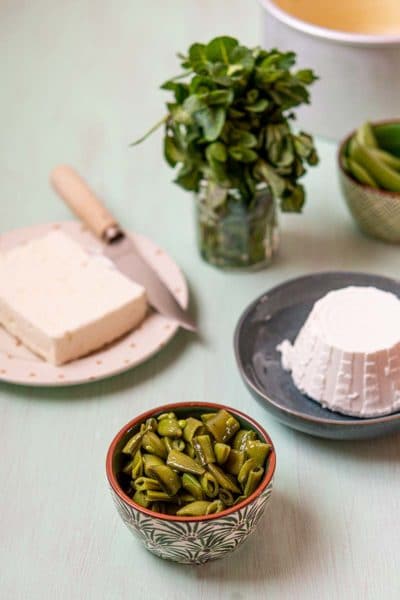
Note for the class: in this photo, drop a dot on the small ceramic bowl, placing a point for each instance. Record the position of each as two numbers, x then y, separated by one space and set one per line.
376 211
191 540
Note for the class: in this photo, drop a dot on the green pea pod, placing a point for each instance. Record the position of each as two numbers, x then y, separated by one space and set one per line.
245 470
204 450
223 426
235 462
159 507
209 485
191 484
365 136
226 497
226 481
182 462
191 427
359 173
182 423
389 159
388 137
141 498
190 451
240 439
194 509
186 498
253 479
239 499
143 484
388 178
221 452
128 467
258 451
154 445
167 478
150 460
137 465
169 427
133 443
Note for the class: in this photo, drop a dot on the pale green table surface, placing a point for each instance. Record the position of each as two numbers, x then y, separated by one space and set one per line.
78 83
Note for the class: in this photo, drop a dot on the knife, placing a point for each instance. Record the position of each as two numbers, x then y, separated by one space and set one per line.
118 246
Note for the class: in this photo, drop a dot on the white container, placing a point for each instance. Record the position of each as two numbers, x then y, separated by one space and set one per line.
359 72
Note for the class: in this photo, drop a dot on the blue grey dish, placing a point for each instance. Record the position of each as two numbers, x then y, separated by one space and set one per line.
279 314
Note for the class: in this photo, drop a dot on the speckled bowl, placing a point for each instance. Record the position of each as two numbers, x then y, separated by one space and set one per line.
191 540
376 212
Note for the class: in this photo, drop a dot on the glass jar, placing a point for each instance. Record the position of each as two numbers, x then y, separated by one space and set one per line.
235 234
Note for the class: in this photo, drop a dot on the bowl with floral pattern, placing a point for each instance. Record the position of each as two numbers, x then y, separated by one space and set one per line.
190 539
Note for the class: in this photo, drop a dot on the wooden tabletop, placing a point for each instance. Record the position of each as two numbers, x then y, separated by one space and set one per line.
79 81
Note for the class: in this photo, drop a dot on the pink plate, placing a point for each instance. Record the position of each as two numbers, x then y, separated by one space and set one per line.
20 365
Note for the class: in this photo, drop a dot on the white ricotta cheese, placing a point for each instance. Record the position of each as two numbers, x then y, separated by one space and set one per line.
63 303
347 354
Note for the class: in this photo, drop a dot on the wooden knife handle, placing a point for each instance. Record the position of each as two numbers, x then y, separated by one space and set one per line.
83 202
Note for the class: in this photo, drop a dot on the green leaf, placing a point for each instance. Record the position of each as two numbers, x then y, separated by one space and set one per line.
217 151
211 120
292 199
243 138
218 97
220 49
197 57
194 103
259 106
306 76
266 173
180 90
172 153
189 179
242 154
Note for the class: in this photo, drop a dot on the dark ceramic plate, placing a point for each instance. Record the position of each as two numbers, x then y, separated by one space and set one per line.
279 314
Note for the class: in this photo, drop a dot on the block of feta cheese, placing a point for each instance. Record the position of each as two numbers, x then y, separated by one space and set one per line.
62 302
347 354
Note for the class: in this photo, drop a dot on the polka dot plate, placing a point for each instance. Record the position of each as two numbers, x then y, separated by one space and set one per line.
20 365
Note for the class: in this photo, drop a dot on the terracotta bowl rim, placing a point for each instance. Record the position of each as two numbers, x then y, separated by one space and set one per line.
363 186
189 405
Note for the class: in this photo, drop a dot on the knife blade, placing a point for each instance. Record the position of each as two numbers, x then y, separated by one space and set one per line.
118 246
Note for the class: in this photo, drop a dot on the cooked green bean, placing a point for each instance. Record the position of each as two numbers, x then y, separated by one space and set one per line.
137 465
154 445
167 477
143 484
169 427
192 485
226 481
235 461
191 427
178 445
191 467
241 438
221 452
149 460
253 479
151 424
206 416
194 509
214 507
258 451
226 497
222 426
204 450
209 485
245 470
141 498
133 443
157 495
183 462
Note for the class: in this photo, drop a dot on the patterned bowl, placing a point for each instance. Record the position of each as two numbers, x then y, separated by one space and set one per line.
376 211
190 540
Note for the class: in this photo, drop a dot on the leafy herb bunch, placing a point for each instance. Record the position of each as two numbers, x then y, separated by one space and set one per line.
229 123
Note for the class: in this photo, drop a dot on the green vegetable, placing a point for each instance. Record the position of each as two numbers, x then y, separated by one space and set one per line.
372 156
229 121
196 474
